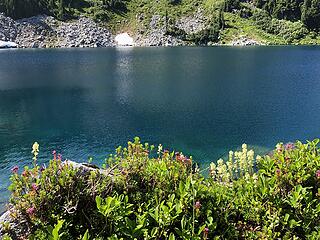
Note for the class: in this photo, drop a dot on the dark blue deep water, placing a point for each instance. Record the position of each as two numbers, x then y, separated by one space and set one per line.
202 101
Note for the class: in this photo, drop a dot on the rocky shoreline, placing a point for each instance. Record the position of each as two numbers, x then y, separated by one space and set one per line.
47 32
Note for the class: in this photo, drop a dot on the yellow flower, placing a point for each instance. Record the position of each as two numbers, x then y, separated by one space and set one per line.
35 150
35 147
159 148
250 153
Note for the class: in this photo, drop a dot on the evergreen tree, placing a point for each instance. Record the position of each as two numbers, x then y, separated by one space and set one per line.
311 14
61 9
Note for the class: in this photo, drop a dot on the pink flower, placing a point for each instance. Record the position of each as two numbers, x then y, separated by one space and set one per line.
54 153
15 169
205 233
318 174
197 205
289 146
31 211
25 173
59 156
34 186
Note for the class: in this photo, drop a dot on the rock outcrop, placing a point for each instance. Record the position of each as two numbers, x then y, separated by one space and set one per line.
44 31
244 41
155 34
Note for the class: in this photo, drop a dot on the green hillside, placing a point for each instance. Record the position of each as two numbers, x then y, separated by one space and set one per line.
265 21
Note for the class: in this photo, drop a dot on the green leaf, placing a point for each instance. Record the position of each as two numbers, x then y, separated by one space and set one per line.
86 235
172 237
56 229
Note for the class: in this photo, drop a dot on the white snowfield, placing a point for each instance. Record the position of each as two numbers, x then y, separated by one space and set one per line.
4 44
124 39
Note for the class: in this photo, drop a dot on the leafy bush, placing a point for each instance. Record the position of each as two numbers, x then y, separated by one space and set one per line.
152 193
289 31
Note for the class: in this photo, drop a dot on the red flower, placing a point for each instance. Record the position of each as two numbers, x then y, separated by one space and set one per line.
15 169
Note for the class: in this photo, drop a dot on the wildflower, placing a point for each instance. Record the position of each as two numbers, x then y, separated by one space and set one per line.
258 158
159 148
187 161
180 157
220 161
318 174
15 169
42 168
205 233
278 172
250 154
289 146
35 150
197 205
34 187
54 153
59 156
25 173
31 211
287 159
279 147
213 168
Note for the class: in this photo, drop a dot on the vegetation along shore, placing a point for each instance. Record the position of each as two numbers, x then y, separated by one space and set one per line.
148 192
95 23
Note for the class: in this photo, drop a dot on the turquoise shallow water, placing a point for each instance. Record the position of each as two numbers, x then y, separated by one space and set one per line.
202 101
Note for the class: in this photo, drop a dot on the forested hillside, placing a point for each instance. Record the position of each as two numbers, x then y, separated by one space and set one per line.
267 21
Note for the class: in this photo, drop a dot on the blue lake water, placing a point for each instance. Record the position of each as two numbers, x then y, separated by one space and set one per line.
202 101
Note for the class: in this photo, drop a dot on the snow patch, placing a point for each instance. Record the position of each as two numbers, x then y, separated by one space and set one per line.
124 39
4 44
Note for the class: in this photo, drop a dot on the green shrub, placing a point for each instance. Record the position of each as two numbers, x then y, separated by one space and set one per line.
152 193
289 31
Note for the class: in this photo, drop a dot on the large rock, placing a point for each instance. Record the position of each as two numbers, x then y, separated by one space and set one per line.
244 41
8 28
83 33
156 33
194 23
